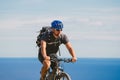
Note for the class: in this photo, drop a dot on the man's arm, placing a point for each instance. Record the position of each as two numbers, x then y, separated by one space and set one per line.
43 49
71 51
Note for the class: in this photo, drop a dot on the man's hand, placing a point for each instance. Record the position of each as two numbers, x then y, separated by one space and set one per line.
47 58
74 59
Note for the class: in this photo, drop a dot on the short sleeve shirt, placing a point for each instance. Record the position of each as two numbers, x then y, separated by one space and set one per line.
52 43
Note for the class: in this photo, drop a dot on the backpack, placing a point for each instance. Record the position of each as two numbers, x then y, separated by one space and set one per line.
44 30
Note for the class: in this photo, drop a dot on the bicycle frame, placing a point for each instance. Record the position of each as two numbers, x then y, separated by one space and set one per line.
58 69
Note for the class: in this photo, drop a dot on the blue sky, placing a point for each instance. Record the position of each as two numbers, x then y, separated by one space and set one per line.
93 26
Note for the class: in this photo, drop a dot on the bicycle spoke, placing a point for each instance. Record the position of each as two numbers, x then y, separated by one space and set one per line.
64 78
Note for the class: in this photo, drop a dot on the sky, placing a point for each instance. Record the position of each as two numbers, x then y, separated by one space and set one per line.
92 26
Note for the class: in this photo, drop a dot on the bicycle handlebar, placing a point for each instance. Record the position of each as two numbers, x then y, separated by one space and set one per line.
54 58
65 60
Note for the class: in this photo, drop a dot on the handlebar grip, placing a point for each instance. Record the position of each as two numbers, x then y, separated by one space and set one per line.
68 60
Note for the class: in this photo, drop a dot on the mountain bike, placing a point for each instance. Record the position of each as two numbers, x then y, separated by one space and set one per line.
58 73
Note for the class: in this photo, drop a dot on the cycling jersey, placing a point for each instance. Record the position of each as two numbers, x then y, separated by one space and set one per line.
52 43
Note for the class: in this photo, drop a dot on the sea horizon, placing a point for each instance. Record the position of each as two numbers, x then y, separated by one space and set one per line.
84 69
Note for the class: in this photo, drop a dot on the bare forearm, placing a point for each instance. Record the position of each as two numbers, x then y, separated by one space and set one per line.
43 52
70 49
43 48
72 52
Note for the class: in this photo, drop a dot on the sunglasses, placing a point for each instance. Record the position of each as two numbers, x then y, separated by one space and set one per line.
58 29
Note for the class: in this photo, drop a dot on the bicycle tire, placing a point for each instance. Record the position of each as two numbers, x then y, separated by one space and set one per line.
63 76
50 76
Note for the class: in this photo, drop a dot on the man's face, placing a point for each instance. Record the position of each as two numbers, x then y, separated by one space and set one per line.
57 32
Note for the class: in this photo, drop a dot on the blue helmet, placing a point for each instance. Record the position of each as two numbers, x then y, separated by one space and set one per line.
56 24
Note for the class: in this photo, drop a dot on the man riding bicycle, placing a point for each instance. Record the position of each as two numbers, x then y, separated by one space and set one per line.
50 43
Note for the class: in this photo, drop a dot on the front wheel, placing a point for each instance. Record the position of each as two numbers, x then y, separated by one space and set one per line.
63 76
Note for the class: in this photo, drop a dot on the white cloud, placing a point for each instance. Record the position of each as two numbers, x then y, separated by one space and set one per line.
96 23
101 10
9 24
102 37
99 18
12 23
94 35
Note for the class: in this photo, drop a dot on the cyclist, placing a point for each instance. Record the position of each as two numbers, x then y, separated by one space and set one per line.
50 44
